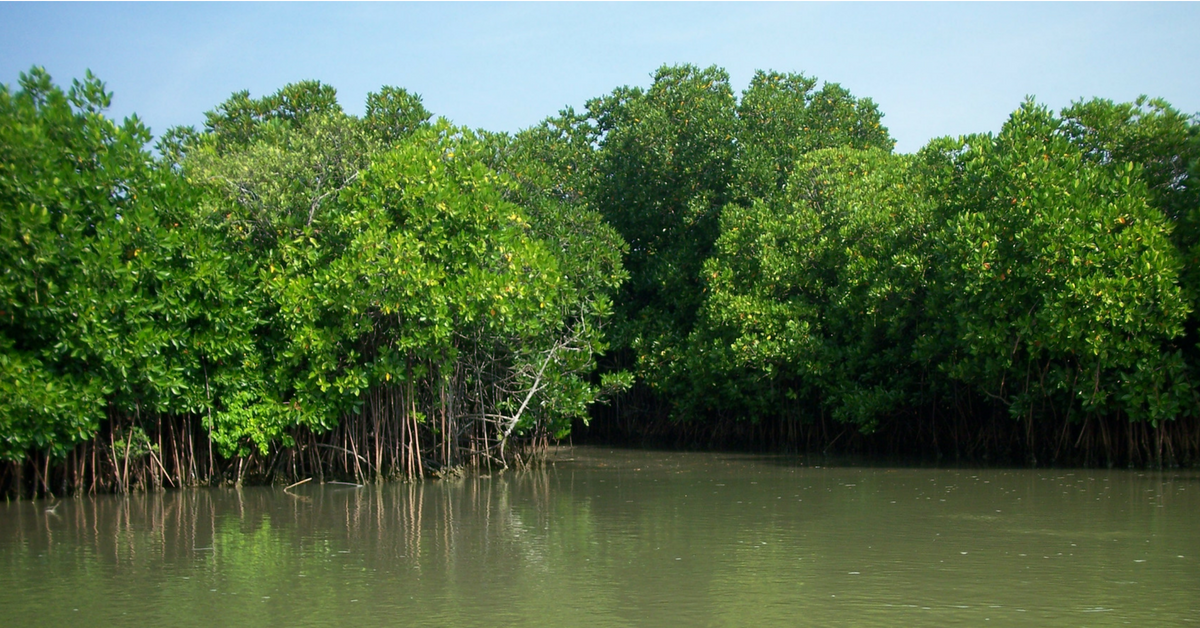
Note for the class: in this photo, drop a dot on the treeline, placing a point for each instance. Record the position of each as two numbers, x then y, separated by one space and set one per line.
292 291
1026 296
289 292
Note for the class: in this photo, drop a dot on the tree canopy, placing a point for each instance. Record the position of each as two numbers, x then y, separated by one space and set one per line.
393 294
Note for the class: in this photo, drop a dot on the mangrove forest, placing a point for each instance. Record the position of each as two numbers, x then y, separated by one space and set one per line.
291 291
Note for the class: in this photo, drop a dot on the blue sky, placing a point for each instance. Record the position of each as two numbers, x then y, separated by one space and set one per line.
934 69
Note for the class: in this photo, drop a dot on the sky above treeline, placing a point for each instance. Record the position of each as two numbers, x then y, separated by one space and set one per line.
934 69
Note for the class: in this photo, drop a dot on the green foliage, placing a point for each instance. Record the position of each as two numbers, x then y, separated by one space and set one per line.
393 114
1151 134
281 179
1166 146
783 117
664 169
269 271
241 119
667 163
1035 267
818 288
549 167
752 257
1057 280
385 250
85 245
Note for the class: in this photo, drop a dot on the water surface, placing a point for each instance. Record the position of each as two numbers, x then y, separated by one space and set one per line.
624 538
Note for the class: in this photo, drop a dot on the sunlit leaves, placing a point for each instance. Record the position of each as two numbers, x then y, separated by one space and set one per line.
1057 280
817 286
85 252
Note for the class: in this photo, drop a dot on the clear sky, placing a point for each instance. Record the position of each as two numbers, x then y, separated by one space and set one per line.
934 69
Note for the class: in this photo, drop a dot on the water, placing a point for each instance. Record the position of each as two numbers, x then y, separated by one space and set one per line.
624 538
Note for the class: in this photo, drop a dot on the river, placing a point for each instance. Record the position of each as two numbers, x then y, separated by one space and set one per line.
602 537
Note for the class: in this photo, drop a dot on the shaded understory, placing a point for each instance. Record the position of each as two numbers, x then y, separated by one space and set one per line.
992 438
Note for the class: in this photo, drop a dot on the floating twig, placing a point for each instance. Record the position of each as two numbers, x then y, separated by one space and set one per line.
294 485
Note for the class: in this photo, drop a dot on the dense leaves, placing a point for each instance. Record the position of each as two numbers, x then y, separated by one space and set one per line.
388 253
820 285
1056 280
87 247
798 270
393 283
282 266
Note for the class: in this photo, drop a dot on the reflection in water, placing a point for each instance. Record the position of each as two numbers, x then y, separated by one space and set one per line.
622 539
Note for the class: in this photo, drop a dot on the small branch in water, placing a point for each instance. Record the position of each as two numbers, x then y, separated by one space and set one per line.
294 485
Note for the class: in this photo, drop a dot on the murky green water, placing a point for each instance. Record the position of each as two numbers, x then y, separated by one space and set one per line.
625 538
